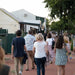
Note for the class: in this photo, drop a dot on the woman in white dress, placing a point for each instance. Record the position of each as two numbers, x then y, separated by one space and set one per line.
49 44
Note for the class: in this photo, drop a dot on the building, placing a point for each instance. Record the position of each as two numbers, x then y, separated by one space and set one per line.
8 21
11 22
43 23
27 20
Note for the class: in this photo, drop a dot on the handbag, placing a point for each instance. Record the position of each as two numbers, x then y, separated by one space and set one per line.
53 44
25 58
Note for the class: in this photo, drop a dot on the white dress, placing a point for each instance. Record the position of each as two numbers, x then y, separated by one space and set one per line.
51 51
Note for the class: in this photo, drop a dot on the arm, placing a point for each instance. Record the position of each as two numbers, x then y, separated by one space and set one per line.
33 50
47 43
69 52
55 49
12 48
25 48
46 49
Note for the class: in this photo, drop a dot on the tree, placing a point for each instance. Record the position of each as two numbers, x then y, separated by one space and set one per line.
63 9
60 25
56 26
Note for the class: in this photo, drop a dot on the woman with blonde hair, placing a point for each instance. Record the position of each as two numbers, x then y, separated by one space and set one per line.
4 69
40 50
66 38
67 42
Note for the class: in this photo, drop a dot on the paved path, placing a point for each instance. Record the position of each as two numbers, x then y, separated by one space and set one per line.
51 69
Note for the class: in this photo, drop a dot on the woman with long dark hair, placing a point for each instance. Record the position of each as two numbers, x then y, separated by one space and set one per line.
61 56
50 49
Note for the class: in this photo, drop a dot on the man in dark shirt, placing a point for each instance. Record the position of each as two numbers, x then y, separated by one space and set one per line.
17 51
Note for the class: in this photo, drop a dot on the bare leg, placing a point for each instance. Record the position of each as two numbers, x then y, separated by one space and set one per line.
63 70
27 62
32 59
74 50
58 70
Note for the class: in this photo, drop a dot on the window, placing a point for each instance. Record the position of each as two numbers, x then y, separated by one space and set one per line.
25 15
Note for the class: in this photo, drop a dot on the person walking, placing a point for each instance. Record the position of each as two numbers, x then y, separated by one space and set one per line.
50 49
66 40
29 40
4 69
61 56
74 44
17 51
40 50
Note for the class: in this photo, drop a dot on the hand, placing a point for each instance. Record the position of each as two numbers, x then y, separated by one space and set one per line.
12 57
47 53
69 53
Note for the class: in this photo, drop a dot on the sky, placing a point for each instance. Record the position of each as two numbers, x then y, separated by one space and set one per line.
36 7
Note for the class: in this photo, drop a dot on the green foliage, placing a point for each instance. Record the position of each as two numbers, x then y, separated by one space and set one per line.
63 25
56 26
65 11
61 8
